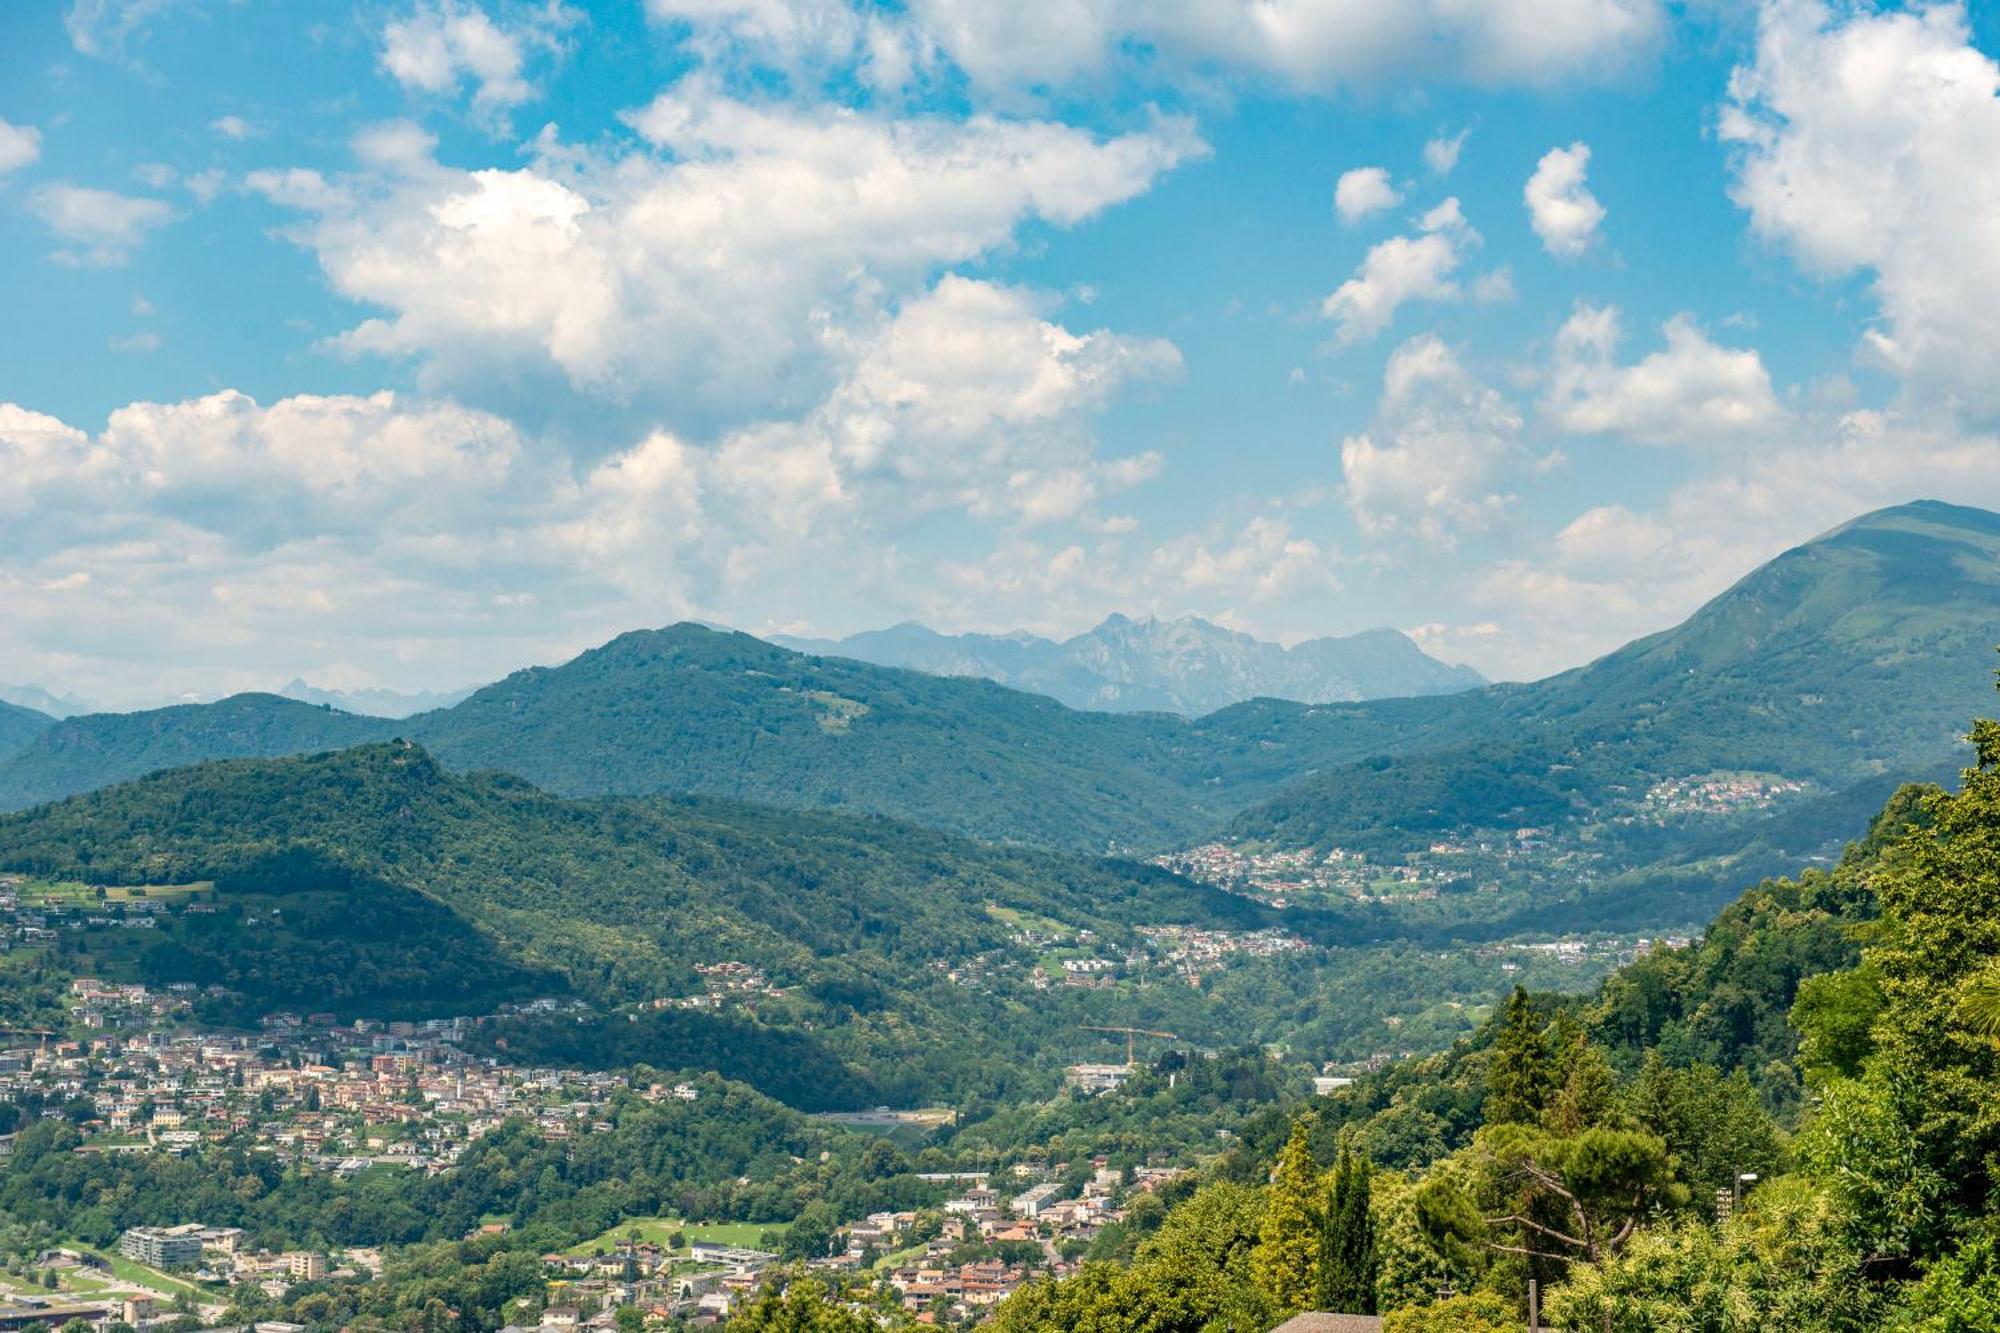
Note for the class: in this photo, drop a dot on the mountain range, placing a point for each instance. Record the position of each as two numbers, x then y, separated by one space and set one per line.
374 703
1187 666
39 700
1843 664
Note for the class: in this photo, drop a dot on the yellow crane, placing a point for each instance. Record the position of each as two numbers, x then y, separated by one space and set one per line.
1131 1037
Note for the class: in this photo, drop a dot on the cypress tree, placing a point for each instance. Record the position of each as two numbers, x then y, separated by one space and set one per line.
1285 1257
1518 1076
1348 1263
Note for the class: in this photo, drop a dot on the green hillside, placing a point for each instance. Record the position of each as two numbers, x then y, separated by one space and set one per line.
1786 1125
688 709
1847 660
19 727
97 749
371 881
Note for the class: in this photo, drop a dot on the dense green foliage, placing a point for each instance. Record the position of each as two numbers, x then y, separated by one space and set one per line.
18 727
95 750
1789 1125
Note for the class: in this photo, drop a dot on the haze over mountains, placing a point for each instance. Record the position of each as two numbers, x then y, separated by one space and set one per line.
374 703
1850 661
1186 666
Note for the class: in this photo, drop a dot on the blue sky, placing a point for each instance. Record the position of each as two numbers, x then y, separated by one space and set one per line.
404 343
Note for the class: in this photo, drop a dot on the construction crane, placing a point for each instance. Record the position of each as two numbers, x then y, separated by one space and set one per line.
43 1033
1131 1037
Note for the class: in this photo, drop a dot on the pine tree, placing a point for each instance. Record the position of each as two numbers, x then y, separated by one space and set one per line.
1348 1263
1585 1087
1285 1258
1518 1077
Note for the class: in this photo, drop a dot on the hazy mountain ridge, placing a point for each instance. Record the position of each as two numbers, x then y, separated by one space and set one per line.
40 700
374 702
1852 657
1187 665
80 754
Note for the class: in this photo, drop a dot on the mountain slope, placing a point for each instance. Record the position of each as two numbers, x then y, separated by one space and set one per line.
1186 666
1853 657
19 727
82 753
372 881
687 709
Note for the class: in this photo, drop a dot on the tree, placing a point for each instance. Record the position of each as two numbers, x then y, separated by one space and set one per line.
800 1306
1960 1293
1785 1262
1348 1263
1517 1075
1585 1087
1481 1312
1546 1197
1285 1259
811 1233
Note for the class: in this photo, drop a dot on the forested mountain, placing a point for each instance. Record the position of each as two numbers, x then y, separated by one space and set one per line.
81 753
371 881
688 709
1855 656
1840 665
19 727
1186 666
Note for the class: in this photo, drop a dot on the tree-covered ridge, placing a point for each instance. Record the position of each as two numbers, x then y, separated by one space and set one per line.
94 750
371 881
1789 1125
688 709
1853 656
1844 662
18 727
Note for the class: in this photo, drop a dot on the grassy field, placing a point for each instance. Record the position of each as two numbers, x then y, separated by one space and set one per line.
657 1229
1047 927
73 893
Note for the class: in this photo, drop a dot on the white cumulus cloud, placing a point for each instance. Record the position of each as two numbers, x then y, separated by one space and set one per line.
1563 211
20 146
446 43
727 276
1402 269
1364 191
102 227
1691 390
1309 45
1869 141
1443 452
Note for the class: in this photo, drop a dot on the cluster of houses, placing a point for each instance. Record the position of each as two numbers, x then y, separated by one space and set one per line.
341 1098
723 984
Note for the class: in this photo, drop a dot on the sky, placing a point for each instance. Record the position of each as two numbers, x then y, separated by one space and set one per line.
400 344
